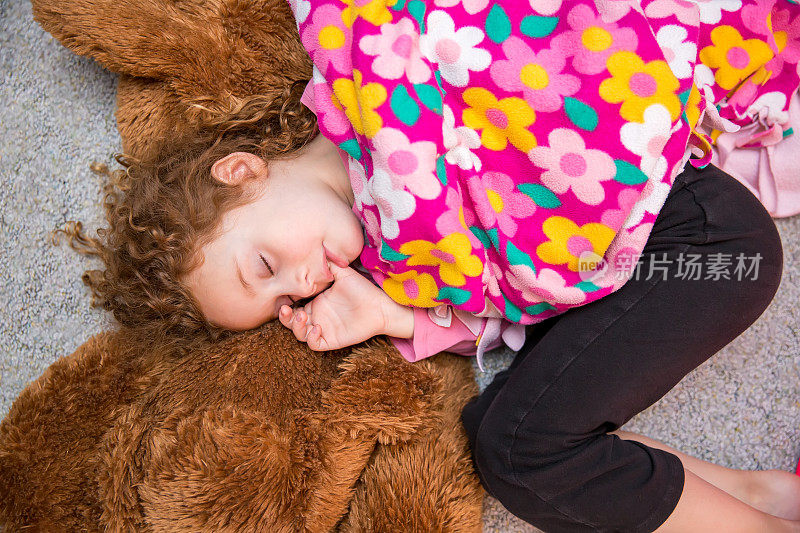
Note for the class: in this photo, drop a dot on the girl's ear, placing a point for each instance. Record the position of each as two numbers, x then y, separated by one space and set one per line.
237 167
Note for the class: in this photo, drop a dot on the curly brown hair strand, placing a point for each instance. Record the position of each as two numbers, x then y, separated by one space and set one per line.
162 209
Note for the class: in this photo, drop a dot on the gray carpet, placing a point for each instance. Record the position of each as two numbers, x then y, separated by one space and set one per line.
740 409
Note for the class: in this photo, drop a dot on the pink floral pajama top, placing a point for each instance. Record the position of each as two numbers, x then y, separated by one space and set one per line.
509 158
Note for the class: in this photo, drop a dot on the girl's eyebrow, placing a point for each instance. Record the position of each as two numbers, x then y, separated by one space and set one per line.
247 286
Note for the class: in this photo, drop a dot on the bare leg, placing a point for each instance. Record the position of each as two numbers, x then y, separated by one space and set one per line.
772 491
703 507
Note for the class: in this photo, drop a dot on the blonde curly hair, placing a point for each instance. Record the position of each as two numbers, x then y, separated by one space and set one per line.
162 209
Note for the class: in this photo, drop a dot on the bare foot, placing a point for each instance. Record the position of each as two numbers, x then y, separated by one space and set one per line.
775 492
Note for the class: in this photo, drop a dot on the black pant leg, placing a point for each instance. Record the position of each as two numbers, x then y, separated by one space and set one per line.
539 435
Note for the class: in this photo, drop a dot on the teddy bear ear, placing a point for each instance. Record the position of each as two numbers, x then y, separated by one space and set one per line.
237 167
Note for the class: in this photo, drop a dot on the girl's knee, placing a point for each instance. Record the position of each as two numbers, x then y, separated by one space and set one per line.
502 447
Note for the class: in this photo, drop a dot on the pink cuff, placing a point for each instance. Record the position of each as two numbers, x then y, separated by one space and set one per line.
430 338
437 330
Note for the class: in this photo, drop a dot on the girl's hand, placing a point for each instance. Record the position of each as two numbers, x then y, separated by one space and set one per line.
352 310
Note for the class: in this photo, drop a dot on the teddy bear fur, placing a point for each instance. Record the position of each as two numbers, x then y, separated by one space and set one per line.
257 433
253 433
180 61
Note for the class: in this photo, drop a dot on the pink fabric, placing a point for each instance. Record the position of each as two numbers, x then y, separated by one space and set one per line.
466 335
430 338
308 100
759 156
442 329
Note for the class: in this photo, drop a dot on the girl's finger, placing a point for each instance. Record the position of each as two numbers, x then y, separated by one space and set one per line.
315 339
285 315
299 329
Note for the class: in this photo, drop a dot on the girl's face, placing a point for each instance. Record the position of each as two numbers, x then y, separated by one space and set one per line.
276 249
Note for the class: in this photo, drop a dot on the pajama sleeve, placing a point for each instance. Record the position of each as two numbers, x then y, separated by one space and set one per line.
441 328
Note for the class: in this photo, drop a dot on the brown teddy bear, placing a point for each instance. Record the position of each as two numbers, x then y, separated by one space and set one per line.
253 433
257 433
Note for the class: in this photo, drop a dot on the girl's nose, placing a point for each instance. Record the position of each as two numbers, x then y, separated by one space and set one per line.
305 285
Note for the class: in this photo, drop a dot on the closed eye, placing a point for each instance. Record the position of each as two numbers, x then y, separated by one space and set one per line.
267 264
273 273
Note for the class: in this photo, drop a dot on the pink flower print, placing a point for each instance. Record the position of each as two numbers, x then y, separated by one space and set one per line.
329 40
492 274
781 24
787 38
548 286
679 52
537 75
592 41
497 202
569 164
647 140
371 227
456 218
409 165
331 117
359 183
615 218
545 7
397 52
622 255
613 10
394 204
470 6
454 51
686 10
755 16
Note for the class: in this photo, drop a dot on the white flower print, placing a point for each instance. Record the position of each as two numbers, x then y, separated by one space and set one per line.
704 80
648 140
358 180
393 204
679 53
470 6
654 194
301 9
711 10
548 286
459 142
454 51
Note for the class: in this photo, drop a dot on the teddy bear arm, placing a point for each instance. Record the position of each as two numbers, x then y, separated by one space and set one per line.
379 392
137 38
208 51
230 469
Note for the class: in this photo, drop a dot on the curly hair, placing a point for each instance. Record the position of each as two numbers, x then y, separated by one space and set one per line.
161 209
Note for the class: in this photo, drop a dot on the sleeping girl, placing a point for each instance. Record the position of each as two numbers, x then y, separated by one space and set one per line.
521 173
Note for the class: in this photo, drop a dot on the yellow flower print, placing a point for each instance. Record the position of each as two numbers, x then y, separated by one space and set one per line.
567 241
452 254
638 85
411 288
502 121
375 11
360 102
733 57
